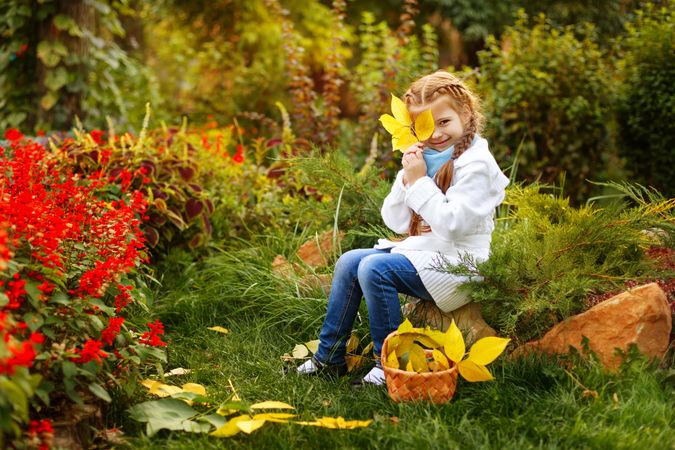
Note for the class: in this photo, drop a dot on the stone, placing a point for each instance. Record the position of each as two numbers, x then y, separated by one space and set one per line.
317 251
468 318
638 316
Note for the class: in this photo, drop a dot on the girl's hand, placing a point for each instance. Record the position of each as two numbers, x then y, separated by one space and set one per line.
414 166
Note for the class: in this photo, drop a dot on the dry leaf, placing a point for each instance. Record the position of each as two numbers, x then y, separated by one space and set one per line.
300 351
177 371
313 346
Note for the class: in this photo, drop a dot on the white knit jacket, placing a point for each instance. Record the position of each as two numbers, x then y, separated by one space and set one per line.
461 220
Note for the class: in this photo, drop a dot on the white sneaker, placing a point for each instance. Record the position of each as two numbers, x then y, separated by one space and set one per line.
375 377
308 367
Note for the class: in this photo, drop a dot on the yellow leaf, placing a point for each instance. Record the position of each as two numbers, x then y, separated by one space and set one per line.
148 383
424 125
418 358
194 388
400 111
313 346
219 329
271 404
354 362
368 349
352 344
390 123
392 360
405 344
274 417
425 339
230 428
403 139
454 343
440 358
405 327
249 426
300 351
474 372
163 390
409 367
487 349
337 423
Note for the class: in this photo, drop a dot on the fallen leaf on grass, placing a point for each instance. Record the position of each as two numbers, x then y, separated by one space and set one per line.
271 404
230 428
177 371
313 346
337 423
300 351
219 329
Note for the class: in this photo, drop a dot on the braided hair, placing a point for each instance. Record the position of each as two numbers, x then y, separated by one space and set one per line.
428 89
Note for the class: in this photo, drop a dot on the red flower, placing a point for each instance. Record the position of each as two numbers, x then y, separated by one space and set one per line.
97 136
114 325
13 135
238 158
90 351
152 337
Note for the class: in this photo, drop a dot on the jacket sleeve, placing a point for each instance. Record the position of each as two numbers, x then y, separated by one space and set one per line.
474 194
395 212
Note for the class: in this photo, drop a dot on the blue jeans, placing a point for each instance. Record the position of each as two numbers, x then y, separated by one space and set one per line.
377 275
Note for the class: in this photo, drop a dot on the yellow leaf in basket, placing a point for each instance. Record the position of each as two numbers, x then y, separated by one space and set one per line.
405 327
418 358
409 367
392 360
405 344
487 349
454 343
440 359
426 340
474 372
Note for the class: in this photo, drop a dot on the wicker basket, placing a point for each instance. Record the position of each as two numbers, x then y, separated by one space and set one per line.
404 386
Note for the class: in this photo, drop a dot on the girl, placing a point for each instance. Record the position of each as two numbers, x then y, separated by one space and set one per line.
444 199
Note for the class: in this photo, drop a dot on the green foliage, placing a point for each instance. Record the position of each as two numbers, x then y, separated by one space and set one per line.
551 91
647 97
59 60
547 257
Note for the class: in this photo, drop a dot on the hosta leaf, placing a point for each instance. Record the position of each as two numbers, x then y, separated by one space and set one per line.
487 350
300 351
271 404
162 414
230 428
424 125
249 426
474 372
400 111
219 329
454 343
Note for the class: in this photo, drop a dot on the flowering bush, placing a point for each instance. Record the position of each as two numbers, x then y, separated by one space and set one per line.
68 266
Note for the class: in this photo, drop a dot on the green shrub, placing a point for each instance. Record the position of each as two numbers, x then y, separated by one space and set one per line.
550 92
647 97
548 257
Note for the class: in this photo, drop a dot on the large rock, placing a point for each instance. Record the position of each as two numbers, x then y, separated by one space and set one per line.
638 316
468 318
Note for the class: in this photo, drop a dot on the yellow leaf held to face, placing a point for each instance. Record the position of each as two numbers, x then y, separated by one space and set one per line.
454 343
390 123
271 404
474 372
219 329
403 139
487 350
424 125
400 111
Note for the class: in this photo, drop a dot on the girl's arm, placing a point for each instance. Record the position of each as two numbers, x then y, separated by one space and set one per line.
395 212
478 188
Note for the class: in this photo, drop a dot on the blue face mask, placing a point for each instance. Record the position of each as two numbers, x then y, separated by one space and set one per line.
435 159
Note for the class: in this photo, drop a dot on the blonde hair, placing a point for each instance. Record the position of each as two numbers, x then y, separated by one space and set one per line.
464 102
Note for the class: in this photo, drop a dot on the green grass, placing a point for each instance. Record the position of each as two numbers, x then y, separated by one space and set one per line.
533 403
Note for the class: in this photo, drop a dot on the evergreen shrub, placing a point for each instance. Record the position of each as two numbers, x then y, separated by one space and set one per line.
646 103
547 94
